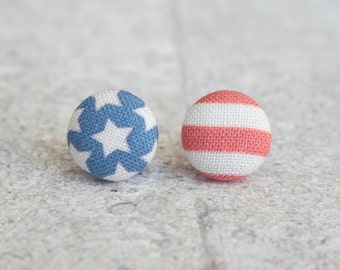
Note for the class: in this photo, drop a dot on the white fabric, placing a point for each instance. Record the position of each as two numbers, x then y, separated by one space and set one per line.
234 115
80 157
74 124
146 113
120 174
224 163
107 97
113 138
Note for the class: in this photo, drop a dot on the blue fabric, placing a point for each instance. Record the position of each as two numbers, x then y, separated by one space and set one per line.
91 122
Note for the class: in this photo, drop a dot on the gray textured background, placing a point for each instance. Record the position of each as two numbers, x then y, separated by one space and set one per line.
285 54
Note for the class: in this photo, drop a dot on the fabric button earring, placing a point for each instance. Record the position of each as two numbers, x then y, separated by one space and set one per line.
226 135
112 135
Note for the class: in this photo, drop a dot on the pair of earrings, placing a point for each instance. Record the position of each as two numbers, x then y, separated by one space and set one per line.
113 135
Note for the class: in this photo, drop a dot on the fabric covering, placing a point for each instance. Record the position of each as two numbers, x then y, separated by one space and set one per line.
112 135
226 135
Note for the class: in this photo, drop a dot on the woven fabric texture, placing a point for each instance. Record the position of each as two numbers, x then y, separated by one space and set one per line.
112 135
226 135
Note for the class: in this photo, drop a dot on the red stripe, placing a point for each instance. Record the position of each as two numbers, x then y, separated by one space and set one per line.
224 177
228 96
226 139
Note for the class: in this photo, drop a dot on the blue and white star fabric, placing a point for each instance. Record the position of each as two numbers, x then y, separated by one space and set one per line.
112 135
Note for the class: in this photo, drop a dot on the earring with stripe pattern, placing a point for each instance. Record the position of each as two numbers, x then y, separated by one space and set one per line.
226 135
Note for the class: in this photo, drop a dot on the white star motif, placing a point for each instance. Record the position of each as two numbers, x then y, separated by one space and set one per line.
107 97
149 119
80 157
120 174
74 123
113 138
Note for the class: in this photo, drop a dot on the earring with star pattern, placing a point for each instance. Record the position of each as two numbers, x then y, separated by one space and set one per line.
112 135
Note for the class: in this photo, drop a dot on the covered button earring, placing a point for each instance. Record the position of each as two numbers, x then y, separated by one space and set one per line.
112 135
226 135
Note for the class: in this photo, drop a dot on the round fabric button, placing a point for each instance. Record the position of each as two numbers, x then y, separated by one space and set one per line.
226 135
112 135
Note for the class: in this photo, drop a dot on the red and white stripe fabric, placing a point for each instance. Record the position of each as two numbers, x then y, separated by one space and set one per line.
226 135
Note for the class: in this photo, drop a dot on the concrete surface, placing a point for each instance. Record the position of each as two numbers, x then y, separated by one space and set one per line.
285 54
